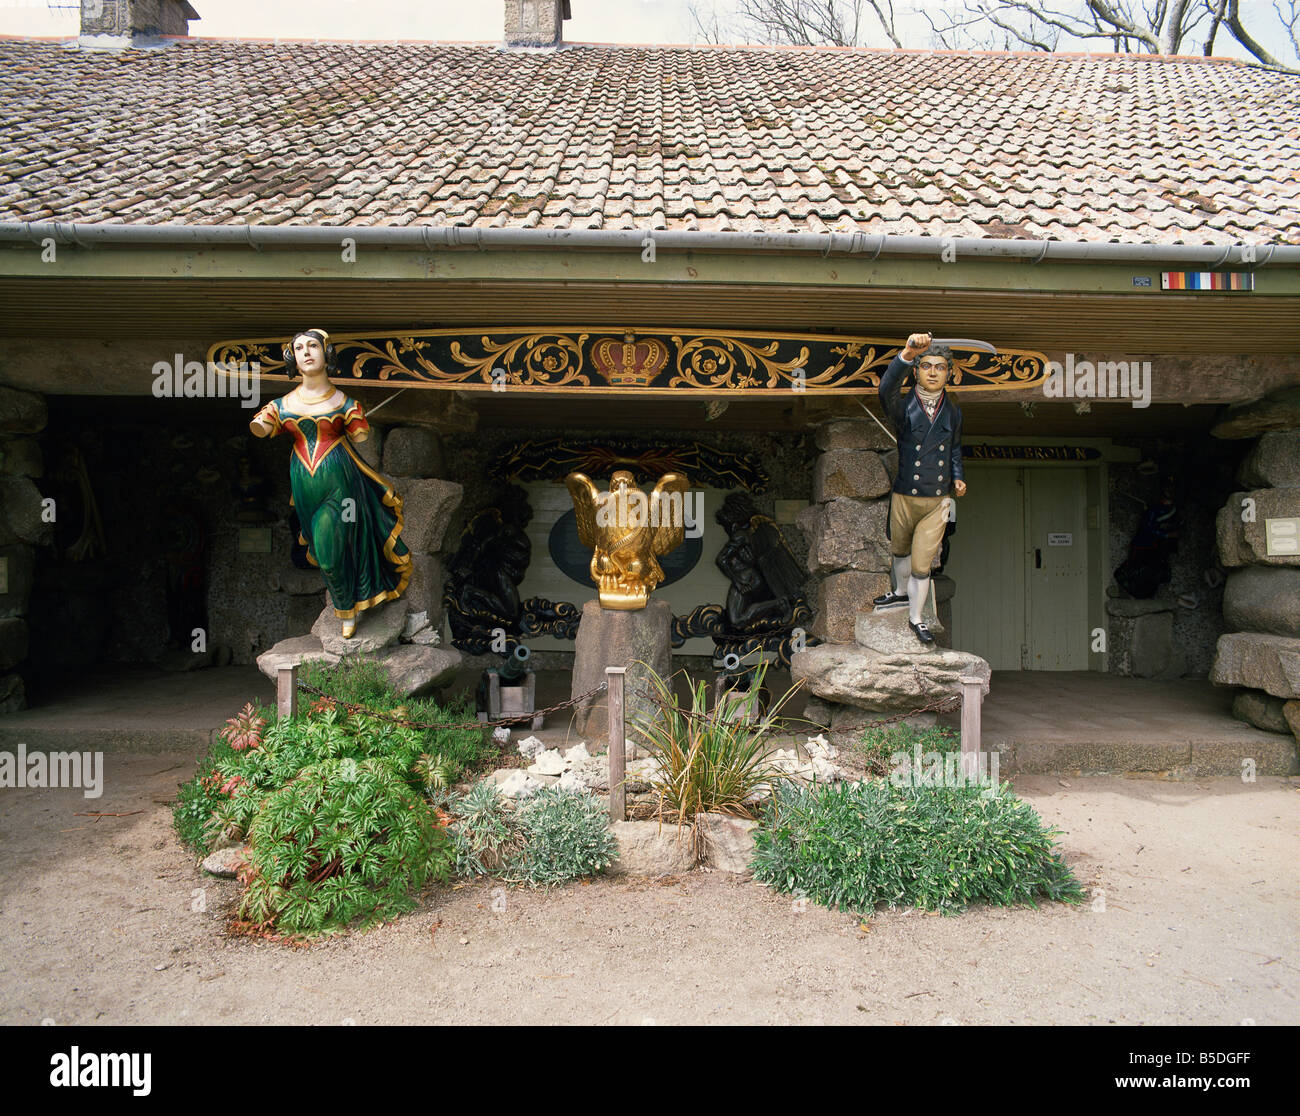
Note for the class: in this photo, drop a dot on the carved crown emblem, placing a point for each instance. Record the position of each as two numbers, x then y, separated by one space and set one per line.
629 363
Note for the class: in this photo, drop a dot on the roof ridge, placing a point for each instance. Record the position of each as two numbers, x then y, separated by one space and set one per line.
780 48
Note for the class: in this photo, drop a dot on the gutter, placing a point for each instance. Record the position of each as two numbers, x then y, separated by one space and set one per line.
1208 257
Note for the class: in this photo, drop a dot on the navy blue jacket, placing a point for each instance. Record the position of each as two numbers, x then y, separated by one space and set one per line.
929 454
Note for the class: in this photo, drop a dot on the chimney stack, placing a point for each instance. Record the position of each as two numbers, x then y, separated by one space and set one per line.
119 23
535 23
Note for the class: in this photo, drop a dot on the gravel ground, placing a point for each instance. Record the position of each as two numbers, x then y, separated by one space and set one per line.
1193 920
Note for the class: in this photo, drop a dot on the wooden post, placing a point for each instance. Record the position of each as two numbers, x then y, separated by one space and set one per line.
971 699
614 676
286 691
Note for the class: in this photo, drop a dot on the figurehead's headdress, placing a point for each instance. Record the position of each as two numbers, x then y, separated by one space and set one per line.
330 364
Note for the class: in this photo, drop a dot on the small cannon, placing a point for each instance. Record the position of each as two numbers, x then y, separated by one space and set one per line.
509 688
734 691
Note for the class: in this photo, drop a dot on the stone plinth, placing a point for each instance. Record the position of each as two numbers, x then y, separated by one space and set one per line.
633 639
888 632
377 627
895 682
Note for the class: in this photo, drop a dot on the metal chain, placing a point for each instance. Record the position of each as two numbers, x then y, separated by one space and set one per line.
353 708
942 705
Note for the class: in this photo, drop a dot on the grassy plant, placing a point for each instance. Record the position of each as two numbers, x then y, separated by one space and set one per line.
342 842
856 845
362 682
358 681
554 836
880 743
482 831
709 761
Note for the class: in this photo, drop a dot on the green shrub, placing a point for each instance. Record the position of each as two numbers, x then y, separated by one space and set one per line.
708 762
562 835
879 744
342 842
265 773
855 845
200 798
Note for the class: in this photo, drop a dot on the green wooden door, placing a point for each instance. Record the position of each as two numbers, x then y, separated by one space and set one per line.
1020 560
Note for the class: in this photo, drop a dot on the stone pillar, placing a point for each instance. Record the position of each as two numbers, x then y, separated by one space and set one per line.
1261 601
23 527
848 554
414 460
633 638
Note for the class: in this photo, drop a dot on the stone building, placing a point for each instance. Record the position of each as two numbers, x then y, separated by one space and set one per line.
605 251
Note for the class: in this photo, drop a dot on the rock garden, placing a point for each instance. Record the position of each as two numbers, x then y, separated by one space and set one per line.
348 813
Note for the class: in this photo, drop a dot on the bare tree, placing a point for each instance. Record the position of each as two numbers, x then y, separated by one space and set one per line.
797 22
1290 20
1141 26
708 25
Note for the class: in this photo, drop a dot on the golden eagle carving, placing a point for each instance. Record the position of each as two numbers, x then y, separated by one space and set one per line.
628 531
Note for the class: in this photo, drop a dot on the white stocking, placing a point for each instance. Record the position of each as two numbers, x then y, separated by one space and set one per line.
902 571
918 588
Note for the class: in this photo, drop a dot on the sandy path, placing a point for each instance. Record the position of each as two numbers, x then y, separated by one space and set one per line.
1201 887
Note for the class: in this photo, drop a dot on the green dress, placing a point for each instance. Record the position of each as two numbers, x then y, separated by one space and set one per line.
350 516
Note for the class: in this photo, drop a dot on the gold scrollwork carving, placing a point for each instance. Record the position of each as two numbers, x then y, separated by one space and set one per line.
547 360
711 362
390 362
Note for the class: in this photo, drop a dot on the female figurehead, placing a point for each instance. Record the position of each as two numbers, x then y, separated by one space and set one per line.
350 516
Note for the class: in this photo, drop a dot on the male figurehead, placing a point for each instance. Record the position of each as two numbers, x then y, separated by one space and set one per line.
928 426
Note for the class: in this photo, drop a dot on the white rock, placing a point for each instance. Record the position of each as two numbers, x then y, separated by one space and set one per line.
428 636
593 773
577 753
826 771
519 785
226 862
530 747
570 782
549 762
819 747
501 734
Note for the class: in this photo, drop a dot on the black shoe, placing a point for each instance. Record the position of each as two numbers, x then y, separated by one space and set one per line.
922 632
890 600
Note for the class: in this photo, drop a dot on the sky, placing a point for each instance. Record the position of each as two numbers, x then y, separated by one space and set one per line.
594 21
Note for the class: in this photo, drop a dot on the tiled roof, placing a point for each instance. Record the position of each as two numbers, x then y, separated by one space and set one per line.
1126 148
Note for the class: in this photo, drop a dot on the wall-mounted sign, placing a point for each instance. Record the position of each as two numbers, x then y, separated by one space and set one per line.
980 452
1281 536
1060 538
